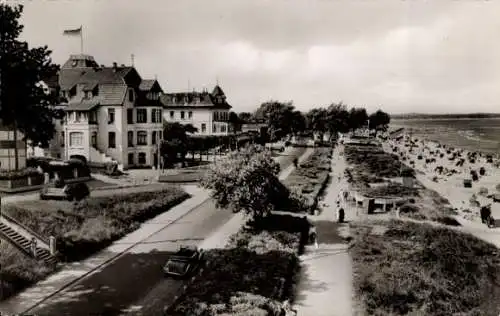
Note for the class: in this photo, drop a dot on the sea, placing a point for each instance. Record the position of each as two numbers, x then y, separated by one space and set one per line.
474 134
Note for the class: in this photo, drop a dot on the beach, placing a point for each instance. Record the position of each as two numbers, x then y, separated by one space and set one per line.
444 168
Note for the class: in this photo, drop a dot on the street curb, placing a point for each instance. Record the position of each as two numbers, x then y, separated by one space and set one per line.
110 259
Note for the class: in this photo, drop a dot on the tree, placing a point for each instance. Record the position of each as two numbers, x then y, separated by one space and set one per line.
337 119
297 122
24 104
317 120
379 121
357 118
245 117
277 115
247 180
175 141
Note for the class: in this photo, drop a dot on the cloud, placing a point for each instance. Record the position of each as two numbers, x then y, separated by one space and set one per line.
403 55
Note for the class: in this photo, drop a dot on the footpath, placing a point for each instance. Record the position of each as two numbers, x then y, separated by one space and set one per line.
325 286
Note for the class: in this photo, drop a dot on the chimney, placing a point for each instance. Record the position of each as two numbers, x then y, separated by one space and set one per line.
122 65
115 66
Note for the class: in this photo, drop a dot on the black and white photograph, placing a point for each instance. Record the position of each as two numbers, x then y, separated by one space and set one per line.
249 158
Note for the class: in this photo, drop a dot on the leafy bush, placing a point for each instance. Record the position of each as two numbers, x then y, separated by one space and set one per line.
59 183
17 174
75 226
247 180
77 191
419 269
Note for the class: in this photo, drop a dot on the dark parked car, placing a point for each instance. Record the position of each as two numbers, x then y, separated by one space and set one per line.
185 261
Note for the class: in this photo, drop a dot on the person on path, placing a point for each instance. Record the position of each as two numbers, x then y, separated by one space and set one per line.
341 215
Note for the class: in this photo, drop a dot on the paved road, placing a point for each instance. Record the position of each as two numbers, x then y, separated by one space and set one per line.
136 278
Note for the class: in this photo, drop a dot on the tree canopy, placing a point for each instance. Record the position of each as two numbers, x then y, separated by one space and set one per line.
247 181
24 103
175 141
379 120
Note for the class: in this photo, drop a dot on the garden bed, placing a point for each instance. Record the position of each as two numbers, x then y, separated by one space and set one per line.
18 270
253 275
87 227
311 178
418 269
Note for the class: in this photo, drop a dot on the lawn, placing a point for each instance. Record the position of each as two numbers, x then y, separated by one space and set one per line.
84 228
252 275
18 270
404 268
311 178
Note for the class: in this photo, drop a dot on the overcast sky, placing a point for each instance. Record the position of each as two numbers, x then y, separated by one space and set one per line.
402 56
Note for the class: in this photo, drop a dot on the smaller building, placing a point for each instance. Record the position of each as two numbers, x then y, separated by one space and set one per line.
207 111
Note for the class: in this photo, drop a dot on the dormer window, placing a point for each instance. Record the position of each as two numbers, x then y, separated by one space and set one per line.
173 100
88 94
131 95
186 99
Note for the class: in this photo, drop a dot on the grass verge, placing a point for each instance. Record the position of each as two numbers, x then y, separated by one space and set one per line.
252 275
89 226
18 270
416 269
311 178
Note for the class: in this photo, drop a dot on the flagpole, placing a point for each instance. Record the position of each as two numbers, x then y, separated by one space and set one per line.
81 39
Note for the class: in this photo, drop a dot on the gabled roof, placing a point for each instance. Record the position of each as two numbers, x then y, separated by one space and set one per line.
216 99
84 105
147 84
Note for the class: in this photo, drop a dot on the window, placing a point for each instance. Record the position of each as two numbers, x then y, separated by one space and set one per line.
153 138
203 128
182 115
62 139
130 116
161 135
76 139
142 115
111 116
111 140
131 95
142 158
190 114
214 128
93 139
78 116
216 116
171 114
142 138
156 116
223 128
130 138
92 117
131 158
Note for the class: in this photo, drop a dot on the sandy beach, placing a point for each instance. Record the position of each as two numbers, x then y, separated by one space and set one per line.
440 168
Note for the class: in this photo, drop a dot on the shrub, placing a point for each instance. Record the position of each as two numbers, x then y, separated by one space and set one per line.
17 174
59 183
77 191
247 180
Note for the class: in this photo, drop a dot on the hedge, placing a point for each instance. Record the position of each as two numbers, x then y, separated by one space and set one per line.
92 224
18 174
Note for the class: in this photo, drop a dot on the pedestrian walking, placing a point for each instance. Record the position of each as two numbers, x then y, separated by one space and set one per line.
341 215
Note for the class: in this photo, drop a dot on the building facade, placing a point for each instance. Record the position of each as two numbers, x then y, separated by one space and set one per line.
112 114
206 111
